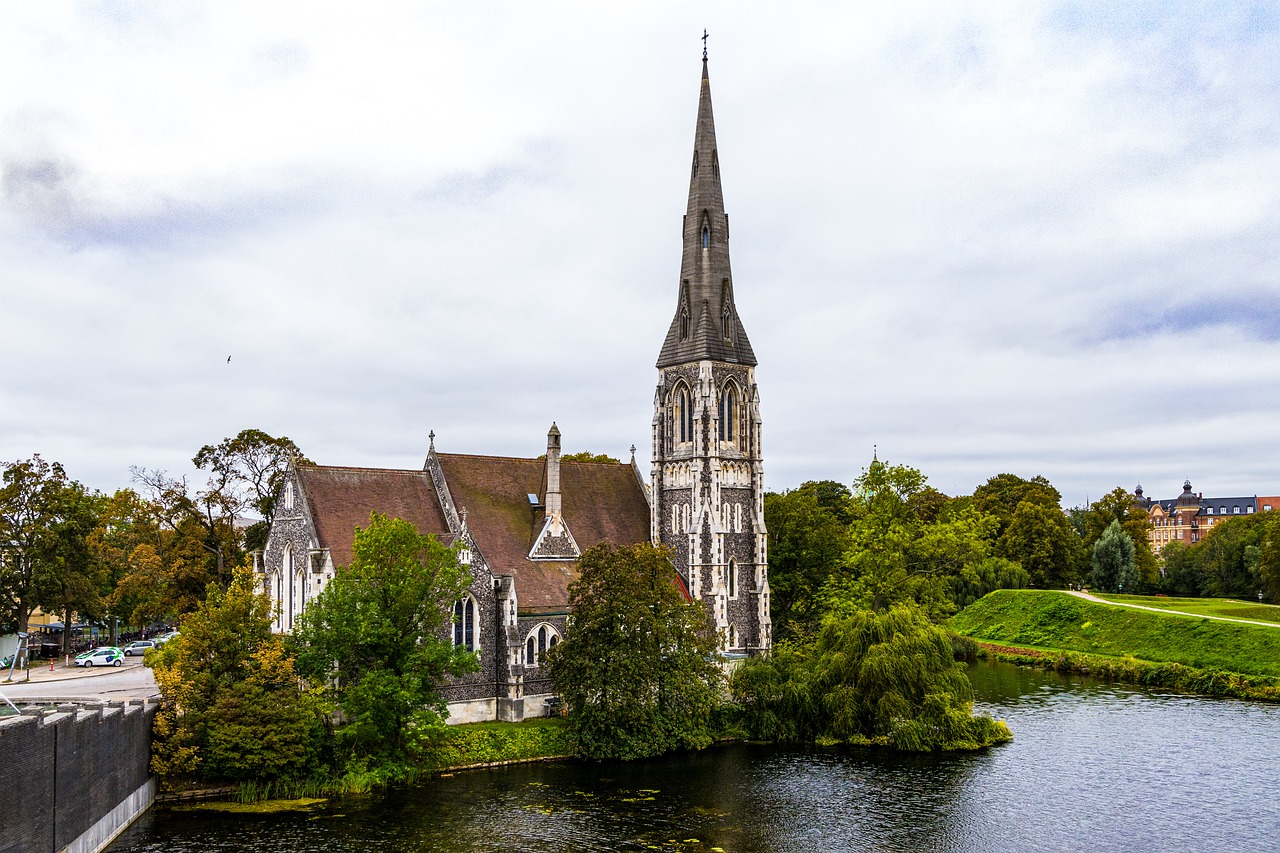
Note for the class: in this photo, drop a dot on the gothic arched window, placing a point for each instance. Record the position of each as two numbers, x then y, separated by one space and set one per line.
728 413
684 323
682 415
706 237
540 639
732 582
464 623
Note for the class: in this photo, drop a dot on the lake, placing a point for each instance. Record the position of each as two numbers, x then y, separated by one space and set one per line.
1093 766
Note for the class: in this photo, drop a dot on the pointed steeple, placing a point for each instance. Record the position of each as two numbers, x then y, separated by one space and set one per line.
706 325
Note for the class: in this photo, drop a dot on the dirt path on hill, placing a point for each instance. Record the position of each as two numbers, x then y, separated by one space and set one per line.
1087 597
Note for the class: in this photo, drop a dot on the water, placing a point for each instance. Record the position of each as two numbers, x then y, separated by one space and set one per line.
1092 767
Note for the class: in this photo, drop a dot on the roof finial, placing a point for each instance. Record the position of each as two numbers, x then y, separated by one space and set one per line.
704 45
432 437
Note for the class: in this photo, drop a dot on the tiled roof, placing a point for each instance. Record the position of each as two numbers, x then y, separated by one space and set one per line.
603 502
342 499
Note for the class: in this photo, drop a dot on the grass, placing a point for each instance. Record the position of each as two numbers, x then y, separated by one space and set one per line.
461 746
1232 608
1046 620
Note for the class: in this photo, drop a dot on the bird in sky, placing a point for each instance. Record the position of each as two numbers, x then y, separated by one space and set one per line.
228 359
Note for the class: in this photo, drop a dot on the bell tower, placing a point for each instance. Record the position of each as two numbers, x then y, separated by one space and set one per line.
708 480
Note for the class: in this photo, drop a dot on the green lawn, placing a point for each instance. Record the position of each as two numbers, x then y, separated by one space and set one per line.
1055 620
1230 607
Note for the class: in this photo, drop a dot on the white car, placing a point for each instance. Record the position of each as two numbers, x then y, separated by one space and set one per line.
105 656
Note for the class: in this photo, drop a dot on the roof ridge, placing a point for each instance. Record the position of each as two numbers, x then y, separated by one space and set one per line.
417 471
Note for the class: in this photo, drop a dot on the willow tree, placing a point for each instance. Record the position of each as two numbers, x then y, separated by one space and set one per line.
887 678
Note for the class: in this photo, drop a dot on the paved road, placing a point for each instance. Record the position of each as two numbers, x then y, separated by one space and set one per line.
1087 597
131 681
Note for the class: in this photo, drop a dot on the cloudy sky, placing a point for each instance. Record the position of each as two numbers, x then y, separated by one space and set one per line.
1028 237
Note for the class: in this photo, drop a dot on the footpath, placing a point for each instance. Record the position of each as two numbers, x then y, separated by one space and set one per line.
1087 597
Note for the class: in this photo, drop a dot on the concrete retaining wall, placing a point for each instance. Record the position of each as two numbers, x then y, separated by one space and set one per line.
75 777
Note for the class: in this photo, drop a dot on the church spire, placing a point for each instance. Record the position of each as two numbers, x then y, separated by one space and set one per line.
706 324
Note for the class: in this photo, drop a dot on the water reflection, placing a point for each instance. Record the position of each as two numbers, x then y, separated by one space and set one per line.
1092 767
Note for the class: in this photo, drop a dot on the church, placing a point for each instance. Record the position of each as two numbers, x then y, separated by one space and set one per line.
521 523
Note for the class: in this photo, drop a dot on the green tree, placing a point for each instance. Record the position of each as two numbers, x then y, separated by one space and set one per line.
1123 506
1003 494
1269 558
78 586
232 707
1113 563
808 535
885 677
247 472
41 513
1181 570
1228 556
902 547
1039 536
375 637
638 667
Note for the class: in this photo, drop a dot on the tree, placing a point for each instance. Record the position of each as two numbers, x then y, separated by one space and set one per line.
1269 558
902 547
1113 563
1122 506
247 472
1181 570
885 677
42 513
374 637
1003 494
1228 556
1039 536
808 535
638 665
232 706
79 584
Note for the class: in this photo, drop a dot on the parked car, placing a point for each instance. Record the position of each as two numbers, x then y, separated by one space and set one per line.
85 654
104 656
138 647
164 638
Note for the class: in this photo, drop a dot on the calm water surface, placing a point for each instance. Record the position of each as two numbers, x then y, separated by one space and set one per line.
1092 767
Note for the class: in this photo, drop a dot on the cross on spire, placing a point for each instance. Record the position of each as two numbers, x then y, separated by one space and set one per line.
704 45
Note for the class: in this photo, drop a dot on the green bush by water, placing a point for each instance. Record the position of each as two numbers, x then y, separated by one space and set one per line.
1059 621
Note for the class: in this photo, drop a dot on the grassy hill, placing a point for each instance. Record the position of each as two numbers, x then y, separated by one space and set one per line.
1055 620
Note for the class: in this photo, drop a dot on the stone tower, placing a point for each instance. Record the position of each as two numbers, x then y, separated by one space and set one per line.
708 482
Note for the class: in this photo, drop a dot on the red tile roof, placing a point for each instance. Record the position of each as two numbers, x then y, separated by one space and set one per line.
342 499
602 502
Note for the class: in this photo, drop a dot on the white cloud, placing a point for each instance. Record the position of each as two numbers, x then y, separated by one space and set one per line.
1002 237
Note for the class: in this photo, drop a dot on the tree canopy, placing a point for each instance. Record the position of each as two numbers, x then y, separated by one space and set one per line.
374 638
638 666
1113 563
886 677
232 707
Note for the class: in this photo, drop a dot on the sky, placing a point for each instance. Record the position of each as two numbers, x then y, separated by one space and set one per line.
1035 238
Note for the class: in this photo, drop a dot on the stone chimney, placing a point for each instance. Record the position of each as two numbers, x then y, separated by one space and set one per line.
552 498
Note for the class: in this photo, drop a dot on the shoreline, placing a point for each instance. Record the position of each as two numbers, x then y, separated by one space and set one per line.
1206 682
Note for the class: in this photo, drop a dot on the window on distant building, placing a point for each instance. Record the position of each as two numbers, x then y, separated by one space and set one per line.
1236 510
1266 508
